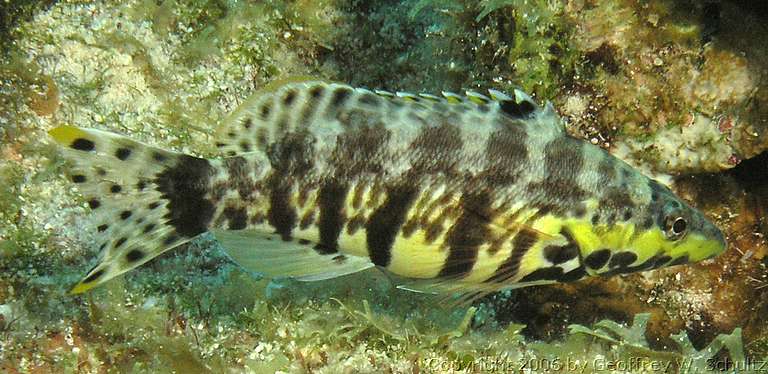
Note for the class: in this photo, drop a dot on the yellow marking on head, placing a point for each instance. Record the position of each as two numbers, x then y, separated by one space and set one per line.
648 243
67 134
619 237
584 235
645 244
697 247
616 236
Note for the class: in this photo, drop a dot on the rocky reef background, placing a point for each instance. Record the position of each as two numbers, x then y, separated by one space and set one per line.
677 88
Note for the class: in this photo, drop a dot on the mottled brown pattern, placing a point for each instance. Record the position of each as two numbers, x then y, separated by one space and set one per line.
357 195
338 99
185 186
555 195
498 241
615 198
436 150
283 125
370 99
240 179
257 218
262 138
433 230
236 217
292 158
307 219
564 159
447 203
606 169
356 223
466 235
330 201
384 223
559 192
293 155
437 187
354 118
265 110
423 210
289 97
375 195
311 106
506 156
218 190
246 205
522 242
409 227
281 214
303 197
361 150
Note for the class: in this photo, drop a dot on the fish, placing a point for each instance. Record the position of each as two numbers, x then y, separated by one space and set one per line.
465 194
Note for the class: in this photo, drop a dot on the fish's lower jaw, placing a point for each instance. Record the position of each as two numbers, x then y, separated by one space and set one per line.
699 248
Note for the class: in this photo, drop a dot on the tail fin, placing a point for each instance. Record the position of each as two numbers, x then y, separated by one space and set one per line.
145 200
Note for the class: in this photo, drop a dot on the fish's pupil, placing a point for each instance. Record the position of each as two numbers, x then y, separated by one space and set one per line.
679 226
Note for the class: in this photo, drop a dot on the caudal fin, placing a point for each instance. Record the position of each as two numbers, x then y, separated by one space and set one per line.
145 200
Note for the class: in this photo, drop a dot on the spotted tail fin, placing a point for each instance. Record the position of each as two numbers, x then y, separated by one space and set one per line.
145 200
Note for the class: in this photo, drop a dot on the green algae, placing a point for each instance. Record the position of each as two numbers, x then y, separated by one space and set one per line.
526 42
629 341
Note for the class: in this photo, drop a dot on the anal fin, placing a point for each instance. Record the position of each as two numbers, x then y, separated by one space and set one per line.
453 293
268 254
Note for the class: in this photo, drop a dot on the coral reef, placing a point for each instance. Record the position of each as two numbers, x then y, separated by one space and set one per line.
669 85
675 87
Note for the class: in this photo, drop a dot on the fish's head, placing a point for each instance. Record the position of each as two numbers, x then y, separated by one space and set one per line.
663 231
686 235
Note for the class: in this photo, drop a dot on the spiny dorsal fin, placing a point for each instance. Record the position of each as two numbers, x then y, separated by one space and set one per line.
296 104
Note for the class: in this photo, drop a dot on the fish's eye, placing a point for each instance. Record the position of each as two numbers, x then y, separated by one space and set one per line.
675 227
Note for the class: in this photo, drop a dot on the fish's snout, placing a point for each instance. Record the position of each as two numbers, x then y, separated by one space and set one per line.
717 234
715 241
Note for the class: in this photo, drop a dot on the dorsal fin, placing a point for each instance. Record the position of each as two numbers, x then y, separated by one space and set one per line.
297 103
250 101
256 120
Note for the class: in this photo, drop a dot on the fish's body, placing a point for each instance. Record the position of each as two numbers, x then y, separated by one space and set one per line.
317 180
